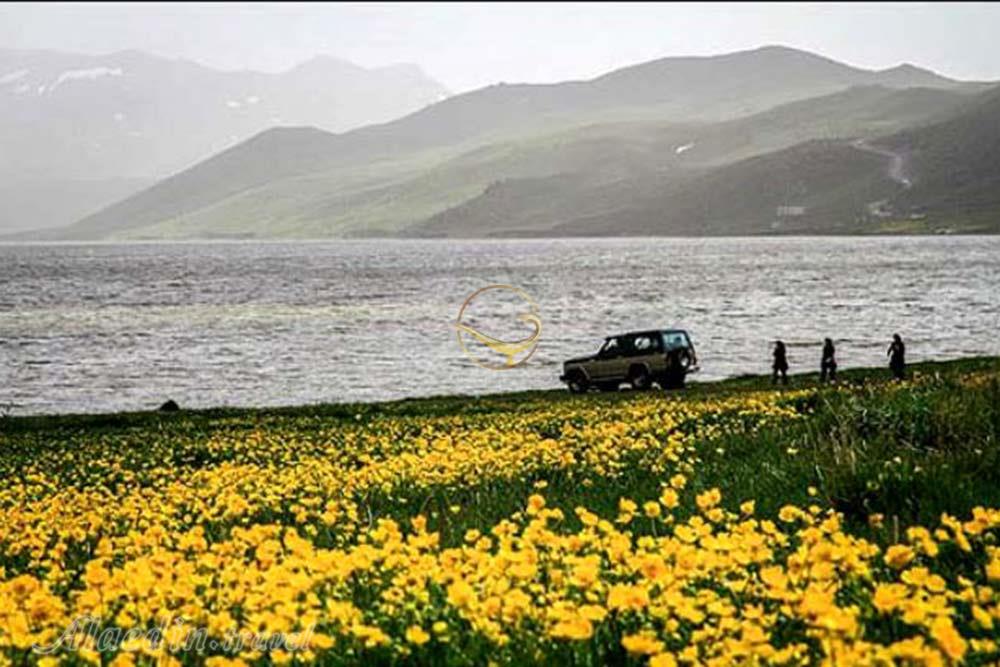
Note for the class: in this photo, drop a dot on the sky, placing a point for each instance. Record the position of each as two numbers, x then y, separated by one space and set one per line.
470 45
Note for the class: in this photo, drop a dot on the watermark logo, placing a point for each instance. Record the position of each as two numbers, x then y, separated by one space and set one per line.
173 636
498 327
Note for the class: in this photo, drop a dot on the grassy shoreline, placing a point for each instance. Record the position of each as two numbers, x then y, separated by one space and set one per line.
853 524
446 404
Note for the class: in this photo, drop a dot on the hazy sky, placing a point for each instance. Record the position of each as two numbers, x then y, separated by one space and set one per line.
470 45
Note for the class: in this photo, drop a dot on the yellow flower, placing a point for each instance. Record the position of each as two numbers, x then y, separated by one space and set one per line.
642 644
709 499
888 597
789 513
945 635
460 594
577 629
993 568
669 498
624 597
982 617
416 635
593 612
663 660
898 556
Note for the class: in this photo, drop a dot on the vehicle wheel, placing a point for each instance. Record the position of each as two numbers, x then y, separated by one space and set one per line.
640 379
577 383
607 386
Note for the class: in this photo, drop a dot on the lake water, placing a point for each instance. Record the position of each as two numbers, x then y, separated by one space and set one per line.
104 327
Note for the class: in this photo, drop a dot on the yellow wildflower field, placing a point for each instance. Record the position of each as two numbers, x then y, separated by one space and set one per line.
377 540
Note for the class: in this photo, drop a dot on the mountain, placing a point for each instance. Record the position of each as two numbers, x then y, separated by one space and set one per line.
386 178
940 175
822 184
816 186
689 153
81 127
952 167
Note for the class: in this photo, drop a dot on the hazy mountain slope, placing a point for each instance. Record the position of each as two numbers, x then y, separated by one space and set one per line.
825 184
671 89
32 204
388 197
954 165
130 115
858 111
384 198
269 155
685 151
825 178
950 179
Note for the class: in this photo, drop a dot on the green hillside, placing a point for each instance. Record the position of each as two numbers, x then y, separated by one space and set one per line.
954 166
949 180
302 182
828 180
393 195
670 187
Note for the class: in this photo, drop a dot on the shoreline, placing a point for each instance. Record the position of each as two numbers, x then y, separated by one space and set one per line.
446 404
7 241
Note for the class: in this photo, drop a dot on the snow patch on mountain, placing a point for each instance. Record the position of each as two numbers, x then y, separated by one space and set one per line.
11 77
89 74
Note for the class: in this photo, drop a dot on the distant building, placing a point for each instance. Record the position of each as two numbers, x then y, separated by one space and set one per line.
880 209
791 211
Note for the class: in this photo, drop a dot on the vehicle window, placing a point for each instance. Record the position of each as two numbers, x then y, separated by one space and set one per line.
611 346
675 339
642 345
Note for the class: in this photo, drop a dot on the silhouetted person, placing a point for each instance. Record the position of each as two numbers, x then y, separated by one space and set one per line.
828 364
897 357
673 376
780 365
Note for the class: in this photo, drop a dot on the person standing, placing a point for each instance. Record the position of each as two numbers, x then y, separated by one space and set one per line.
780 365
828 364
897 357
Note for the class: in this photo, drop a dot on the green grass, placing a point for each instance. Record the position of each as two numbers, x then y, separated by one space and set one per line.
866 446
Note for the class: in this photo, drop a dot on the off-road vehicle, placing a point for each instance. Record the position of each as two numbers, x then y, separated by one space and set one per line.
639 358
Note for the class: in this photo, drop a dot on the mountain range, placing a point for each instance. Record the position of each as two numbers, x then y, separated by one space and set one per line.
773 140
81 131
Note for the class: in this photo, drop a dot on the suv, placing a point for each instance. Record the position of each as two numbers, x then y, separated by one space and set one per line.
639 358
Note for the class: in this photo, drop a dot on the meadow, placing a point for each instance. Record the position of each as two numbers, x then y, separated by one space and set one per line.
732 523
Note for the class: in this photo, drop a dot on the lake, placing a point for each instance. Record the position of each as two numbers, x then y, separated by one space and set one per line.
106 327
